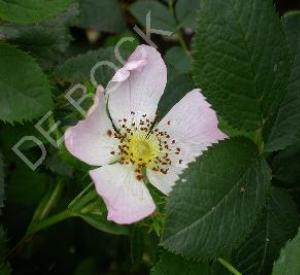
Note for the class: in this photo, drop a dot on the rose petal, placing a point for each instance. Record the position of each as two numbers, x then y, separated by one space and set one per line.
163 182
136 89
127 199
89 140
194 126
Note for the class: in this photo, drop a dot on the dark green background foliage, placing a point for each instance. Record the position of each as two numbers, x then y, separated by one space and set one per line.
235 210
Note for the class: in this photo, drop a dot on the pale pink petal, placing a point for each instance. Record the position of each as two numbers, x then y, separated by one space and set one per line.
89 140
123 73
193 125
127 199
162 182
136 89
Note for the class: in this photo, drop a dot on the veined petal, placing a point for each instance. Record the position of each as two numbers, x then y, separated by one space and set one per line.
89 140
193 126
127 199
135 90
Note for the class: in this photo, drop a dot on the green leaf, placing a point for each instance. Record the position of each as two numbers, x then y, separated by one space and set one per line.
78 69
45 41
58 165
25 91
177 265
161 17
13 134
31 11
179 82
288 262
233 132
241 60
177 59
104 15
187 13
1 183
286 129
278 224
131 42
286 166
217 202
176 89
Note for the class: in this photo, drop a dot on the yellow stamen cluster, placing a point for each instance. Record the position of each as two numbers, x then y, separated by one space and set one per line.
144 148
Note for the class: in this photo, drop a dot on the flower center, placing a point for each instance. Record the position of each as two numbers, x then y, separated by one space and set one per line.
141 150
145 148
142 147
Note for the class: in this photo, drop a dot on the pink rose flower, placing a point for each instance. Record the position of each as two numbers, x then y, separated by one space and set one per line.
129 145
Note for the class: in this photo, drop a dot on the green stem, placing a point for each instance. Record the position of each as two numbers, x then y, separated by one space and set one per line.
50 221
80 195
46 205
53 198
171 8
178 30
259 140
228 266
182 42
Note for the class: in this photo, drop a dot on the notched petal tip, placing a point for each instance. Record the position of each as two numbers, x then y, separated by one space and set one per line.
136 61
137 87
121 75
